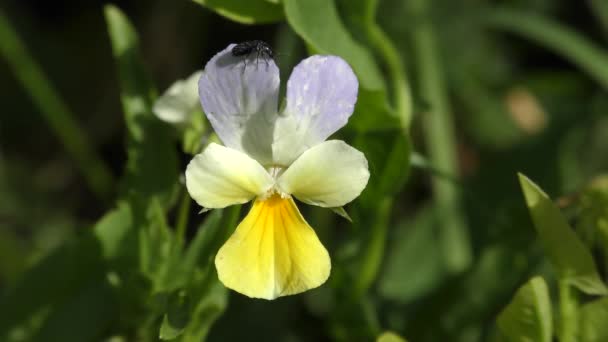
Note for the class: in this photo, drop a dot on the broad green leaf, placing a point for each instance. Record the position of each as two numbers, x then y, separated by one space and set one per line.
563 247
406 276
372 113
592 321
112 230
246 12
527 318
151 158
389 336
319 24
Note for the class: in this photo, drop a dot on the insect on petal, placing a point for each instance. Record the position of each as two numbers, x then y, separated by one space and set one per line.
330 174
273 252
220 176
239 95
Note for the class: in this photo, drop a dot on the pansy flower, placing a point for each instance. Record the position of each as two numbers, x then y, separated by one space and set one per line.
270 157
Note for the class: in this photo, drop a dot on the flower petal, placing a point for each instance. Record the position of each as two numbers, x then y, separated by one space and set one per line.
330 174
239 95
220 176
321 96
179 101
273 252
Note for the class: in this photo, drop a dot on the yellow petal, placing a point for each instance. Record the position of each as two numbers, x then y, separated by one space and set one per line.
273 252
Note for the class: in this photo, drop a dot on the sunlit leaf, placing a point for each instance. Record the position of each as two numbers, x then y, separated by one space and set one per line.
389 336
592 320
528 315
151 158
318 23
563 247
246 12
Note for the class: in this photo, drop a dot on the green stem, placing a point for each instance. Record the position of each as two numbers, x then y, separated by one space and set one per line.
54 110
375 246
568 312
561 40
396 71
183 215
440 140
374 249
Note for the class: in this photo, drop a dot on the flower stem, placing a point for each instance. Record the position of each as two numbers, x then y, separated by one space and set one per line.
374 249
440 140
54 111
182 218
400 86
568 312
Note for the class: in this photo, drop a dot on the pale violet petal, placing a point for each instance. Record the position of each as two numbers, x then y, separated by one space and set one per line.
239 95
329 174
179 101
221 176
321 96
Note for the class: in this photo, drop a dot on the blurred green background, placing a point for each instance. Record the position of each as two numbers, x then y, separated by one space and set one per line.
98 241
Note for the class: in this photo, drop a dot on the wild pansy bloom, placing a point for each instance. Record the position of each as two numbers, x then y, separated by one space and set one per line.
269 156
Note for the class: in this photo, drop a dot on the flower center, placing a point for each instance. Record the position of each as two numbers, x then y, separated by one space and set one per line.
275 171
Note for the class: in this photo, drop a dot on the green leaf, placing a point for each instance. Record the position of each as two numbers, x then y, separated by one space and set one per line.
408 240
209 236
318 23
246 12
563 247
372 113
177 316
528 315
592 320
389 336
340 211
209 305
151 157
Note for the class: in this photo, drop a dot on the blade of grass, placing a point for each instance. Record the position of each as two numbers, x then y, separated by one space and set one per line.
54 110
440 140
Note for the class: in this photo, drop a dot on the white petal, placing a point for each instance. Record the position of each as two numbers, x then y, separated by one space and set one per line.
321 96
220 176
239 95
179 101
330 174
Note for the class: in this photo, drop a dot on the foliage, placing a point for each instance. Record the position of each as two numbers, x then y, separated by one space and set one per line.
99 239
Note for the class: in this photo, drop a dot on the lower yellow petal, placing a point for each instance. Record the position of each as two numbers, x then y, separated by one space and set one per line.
273 252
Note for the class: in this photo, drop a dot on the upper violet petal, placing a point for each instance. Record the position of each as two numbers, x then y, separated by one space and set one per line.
239 95
321 96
